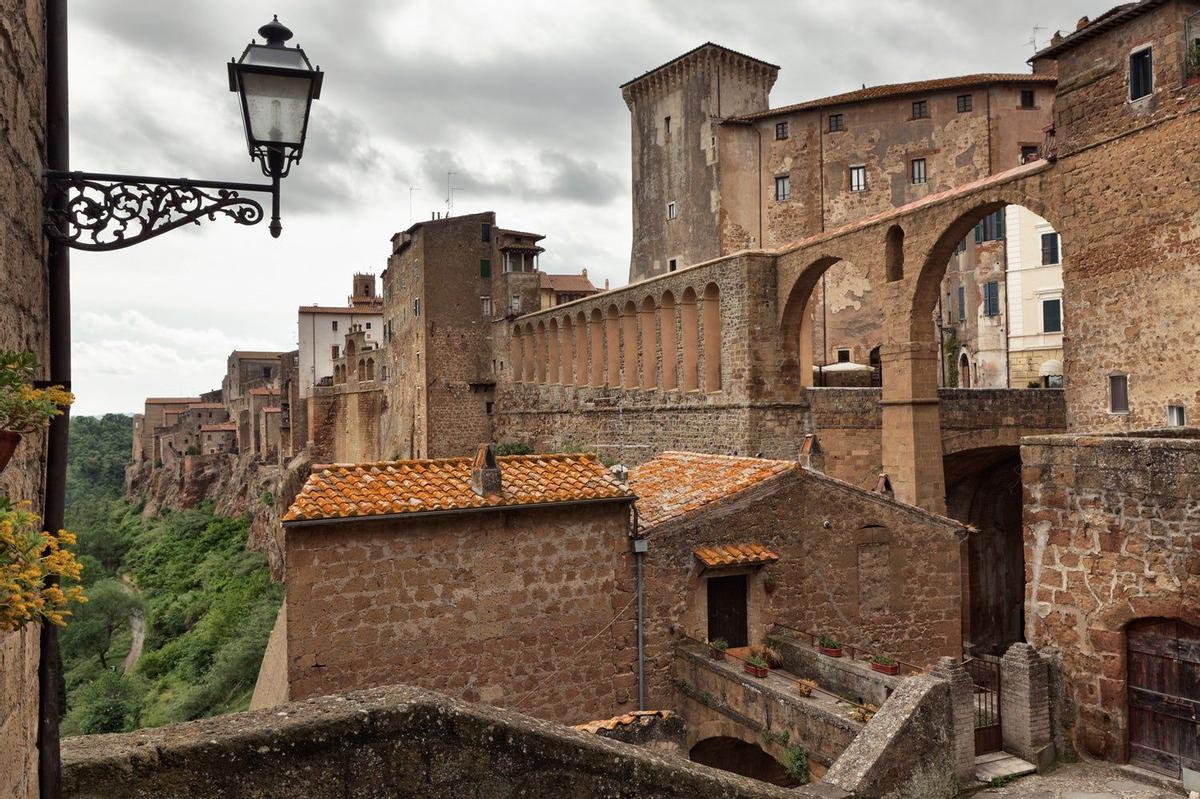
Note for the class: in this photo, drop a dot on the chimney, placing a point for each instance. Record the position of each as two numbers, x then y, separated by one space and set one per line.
1056 38
485 473
621 474
1082 23
811 455
584 273
606 284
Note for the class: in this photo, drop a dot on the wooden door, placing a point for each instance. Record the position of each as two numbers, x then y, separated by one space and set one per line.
727 609
1164 695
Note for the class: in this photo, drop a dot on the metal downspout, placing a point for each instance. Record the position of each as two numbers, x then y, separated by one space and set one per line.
639 551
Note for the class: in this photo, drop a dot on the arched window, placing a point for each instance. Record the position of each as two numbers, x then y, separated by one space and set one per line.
361 372
612 347
690 331
370 368
964 371
712 338
894 253
596 357
629 346
649 344
670 351
552 350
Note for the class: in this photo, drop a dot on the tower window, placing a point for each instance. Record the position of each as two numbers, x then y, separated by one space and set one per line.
1141 74
666 126
671 211
918 170
783 187
837 122
1028 98
965 103
858 178
1118 393
920 109
781 130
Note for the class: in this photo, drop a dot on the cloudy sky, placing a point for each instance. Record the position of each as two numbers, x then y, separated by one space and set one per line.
518 99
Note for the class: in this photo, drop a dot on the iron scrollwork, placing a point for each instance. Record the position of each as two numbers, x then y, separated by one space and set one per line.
97 212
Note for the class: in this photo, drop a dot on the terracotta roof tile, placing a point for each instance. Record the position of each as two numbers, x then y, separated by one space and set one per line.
206 406
566 283
343 491
725 555
639 717
676 483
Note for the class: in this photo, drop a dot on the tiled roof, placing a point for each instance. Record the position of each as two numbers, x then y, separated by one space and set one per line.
343 491
676 483
725 555
206 406
693 51
345 310
573 284
171 400
900 89
1109 19
223 427
639 717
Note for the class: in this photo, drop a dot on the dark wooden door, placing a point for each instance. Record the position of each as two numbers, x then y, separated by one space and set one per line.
1164 695
727 609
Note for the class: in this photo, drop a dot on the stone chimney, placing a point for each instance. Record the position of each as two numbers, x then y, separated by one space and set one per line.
811 455
1082 23
1056 38
485 473
583 273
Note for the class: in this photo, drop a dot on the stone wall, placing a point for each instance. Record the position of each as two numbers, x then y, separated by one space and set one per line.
347 423
874 572
526 608
22 327
1110 537
386 743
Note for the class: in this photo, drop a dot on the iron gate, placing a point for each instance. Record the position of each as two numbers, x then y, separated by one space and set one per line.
985 675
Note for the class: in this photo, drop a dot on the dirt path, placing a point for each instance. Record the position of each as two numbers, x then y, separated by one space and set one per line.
137 629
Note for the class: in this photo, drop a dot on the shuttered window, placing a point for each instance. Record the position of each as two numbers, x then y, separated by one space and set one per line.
991 227
962 303
1051 316
1141 74
991 298
1049 248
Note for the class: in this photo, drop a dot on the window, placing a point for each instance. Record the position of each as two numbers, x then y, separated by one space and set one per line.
783 188
1049 248
991 298
368 325
672 265
1028 98
991 227
488 406
843 355
949 312
1052 316
486 232
965 103
781 130
920 109
514 304
335 325
837 122
962 303
962 246
918 170
670 211
1176 416
1030 152
1141 74
858 178
334 352
666 126
486 306
1118 393
417 307
485 267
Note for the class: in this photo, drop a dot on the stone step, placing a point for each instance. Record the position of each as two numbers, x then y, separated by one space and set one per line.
1001 765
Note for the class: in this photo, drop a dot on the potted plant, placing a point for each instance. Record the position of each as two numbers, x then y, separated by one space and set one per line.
1193 63
27 556
885 665
829 646
805 687
757 665
717 647
23 408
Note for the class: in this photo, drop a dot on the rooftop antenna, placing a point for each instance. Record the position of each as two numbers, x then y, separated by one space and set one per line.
1033 39
411 189
450 193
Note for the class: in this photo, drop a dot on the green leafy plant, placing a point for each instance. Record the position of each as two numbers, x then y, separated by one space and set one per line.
758 662
27 556
719 644
827 641
883 660
512 448
795 763
193 450
267 499
1193 59
23 408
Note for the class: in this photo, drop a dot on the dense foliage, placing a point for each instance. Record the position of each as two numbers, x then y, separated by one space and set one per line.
207 604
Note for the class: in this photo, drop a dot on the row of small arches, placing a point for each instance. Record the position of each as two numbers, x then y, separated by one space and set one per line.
668 344
366 370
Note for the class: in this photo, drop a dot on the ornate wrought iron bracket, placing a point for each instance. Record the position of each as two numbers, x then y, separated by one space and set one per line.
95 211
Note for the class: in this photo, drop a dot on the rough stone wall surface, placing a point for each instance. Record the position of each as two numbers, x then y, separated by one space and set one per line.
843 676
1110 537
386 743
819 527
271 687
907 749
22 327
719 698
530 609
1025 704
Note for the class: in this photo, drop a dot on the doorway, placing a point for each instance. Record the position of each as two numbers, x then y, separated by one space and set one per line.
727 610
1164 695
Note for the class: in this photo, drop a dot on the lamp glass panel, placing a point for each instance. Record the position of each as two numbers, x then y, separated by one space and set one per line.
276 106
287 57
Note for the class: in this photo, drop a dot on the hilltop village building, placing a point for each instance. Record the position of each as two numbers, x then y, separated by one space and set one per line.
322 332
1048 538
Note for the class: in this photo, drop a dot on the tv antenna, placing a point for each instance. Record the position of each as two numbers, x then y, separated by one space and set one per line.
1033 39
411 189
450 193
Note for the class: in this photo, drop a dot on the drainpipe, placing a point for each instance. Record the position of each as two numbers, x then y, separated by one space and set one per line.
59 322
639 546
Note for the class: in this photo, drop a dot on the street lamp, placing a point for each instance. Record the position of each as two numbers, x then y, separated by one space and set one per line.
276 85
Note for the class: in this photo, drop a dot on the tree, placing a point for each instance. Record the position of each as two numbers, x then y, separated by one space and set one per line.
110 703
110 604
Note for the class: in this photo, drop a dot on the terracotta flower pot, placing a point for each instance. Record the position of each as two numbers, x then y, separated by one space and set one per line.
716 654
757 671
8 445
893 669
831 652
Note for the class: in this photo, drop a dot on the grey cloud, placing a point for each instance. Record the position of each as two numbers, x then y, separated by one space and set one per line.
555 176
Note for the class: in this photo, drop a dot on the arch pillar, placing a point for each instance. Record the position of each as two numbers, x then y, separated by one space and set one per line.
912 428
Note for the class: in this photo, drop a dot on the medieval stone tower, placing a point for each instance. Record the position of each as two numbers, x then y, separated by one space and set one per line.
674 111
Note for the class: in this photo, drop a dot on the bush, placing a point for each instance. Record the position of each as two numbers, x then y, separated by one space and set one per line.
511 448
795 763
110 703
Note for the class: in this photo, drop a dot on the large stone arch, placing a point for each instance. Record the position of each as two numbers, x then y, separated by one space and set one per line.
795 326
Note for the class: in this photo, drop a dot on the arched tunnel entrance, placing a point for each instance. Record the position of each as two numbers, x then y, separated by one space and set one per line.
984 490
739 757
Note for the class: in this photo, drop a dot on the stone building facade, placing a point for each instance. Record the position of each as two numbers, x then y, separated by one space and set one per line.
322 330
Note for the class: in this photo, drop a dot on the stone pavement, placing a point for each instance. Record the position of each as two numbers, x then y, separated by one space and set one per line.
1087 780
